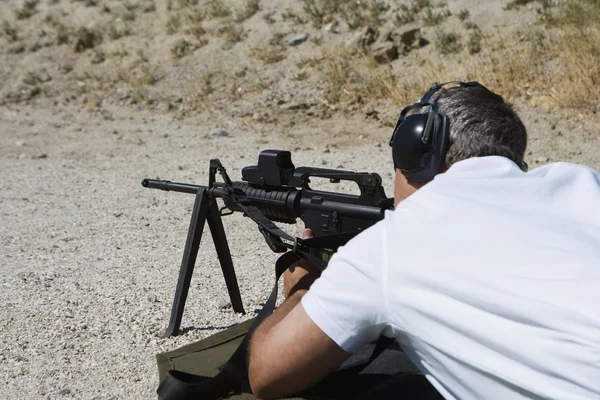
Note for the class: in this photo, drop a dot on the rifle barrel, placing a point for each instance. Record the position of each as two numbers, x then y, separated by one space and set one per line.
171 186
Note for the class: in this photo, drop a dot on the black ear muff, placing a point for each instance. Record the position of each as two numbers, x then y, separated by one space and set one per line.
419 142
420 145
408 147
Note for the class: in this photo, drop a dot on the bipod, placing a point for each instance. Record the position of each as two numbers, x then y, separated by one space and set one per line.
205 209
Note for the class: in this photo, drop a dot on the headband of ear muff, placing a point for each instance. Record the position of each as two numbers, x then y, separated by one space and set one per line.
419 142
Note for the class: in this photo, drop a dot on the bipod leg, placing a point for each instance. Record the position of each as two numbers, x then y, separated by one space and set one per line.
218 234
199 214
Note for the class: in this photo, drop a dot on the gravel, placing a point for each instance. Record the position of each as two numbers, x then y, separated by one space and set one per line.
89 258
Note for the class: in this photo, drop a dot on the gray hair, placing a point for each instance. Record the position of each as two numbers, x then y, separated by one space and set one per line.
481 124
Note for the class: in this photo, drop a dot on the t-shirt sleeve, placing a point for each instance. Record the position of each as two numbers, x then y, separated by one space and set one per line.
347 301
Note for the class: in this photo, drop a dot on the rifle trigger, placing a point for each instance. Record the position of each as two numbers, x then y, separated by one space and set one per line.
222 213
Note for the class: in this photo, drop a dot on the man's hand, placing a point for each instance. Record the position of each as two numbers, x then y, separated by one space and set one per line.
301 274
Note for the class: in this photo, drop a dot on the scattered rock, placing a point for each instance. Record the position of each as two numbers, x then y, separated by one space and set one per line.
41 156
542 159
224 305
180 48
65 68
407 40
298 39
372 113
297 106
93 102
367 37
16 49
22 93
385 52
152 298
20 143
332 26
87 39
410 38
220 132
149 7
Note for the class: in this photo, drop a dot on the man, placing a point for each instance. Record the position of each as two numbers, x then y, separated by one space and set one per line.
487 276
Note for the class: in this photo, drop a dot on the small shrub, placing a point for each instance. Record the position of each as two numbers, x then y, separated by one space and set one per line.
447 43
321 12
27 10
470 25
35 47
143 57
514 4
98 56
196 31
128 15
376 9
193 16
63 33
31 78
130 6
250 8
355 13
173 23
87 39
115 33
408 12
207 81
218 9
474 43
432 18
289 15
232 33
580 13
10 31
463 14
317 40
268 54
278 40
180 48
301 76
269 18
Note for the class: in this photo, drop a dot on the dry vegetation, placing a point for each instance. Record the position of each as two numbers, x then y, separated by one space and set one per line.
358 51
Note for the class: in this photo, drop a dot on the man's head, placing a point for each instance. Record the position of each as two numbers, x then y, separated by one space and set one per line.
480 124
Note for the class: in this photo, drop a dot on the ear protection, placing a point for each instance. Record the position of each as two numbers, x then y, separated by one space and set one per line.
419 142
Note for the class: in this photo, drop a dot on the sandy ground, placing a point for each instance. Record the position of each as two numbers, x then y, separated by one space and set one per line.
89 259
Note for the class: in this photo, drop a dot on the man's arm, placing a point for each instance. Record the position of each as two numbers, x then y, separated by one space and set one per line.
288 351
309 354
300 344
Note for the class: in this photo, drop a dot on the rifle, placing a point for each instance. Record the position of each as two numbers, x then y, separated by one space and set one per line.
272 191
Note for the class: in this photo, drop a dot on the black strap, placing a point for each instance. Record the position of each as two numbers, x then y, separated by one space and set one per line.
280 241
183 386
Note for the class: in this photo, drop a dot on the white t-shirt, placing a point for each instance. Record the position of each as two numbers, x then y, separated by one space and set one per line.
488 277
